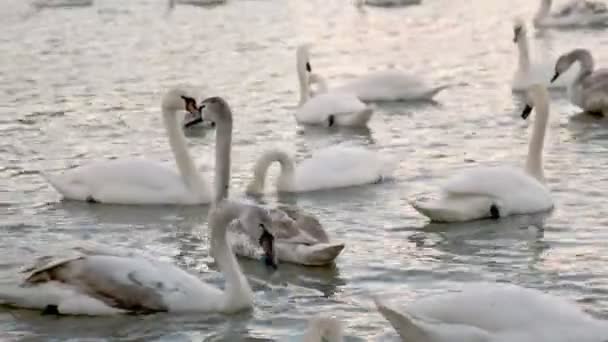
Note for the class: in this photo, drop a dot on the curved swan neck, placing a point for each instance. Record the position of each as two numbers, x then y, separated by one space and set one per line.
534 162
223 143
585 59
286 177
524 51
178 144
237 293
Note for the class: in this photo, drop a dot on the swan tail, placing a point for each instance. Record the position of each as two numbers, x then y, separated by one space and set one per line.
27 297
431 93
69 191
310 255
456 208
407 326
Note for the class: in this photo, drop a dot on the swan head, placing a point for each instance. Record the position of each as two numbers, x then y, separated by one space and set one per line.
303 58
566 60
519 29
178 99
537 95
321 329
216 110
258 222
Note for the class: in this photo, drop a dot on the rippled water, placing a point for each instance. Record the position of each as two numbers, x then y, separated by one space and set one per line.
83 84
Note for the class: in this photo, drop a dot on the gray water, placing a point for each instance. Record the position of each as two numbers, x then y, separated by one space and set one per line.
79 85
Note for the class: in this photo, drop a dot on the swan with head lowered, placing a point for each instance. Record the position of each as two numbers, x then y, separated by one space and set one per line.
577 13
337 166
299 238
589 90
140 181
498 191
102 283
494 312
328 108
534 72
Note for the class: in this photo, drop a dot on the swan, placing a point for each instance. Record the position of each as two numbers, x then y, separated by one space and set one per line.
200 3
300 238
387 3
589 90
529 73
328 108
333 167
107 284
139 181
494 312
497 191
61 3
323 329
577 13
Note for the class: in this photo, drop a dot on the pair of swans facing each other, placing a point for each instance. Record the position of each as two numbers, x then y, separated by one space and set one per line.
589 90
494 192
577 13
480 312
346 105
530 72
104 282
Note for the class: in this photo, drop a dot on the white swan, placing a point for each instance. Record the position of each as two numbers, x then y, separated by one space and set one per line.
493 312
387 3
40 4
537 72
589 90
139 181
299 238
577 13
337 166
329 108
323 329
106 284
497 191
200 3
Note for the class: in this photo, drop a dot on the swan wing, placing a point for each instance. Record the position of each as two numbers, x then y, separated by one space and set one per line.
342 166
134 181
389 85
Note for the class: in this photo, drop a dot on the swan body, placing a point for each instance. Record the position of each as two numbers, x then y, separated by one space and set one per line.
534 72
323 329
200 3
577 13
61 3
387 3
492 312
337 166
299 238
493 192
137 181
589 90
107 284
329 108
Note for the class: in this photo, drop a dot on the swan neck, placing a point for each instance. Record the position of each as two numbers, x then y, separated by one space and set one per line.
534 162
543 10
303 79
178 144
524 52
223 143
237 293
286 176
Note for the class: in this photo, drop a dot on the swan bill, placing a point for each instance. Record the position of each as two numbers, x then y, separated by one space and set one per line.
494 212
196 119
308 68
267 244
526 112
555 77
516 33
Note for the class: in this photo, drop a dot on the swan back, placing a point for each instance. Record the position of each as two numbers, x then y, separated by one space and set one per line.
323 329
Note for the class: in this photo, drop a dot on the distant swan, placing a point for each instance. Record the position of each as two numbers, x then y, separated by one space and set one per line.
337 166
299 238
201 3
61 3
577 13
329 108
589 90
498 191
139 181
539 72
323 329
106 284
494 312
387 3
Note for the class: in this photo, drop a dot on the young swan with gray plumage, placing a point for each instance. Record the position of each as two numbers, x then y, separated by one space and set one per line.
589 90
299 238
106 284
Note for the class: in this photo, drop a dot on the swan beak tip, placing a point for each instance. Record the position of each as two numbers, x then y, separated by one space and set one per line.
554 77
526 112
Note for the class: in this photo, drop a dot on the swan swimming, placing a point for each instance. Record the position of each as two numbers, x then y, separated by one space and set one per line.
529 73
379 86
494 312
498 191
577 13
589 90
139 181
337 166
328 108
299 238
40 4
108 284
200 3
387 3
